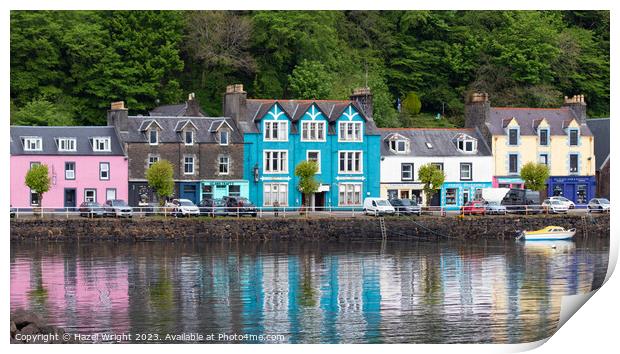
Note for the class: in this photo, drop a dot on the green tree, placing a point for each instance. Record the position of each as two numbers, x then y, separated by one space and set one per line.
160 177
41 112
432 178
306 171
535 176
412 103
38 180
310 80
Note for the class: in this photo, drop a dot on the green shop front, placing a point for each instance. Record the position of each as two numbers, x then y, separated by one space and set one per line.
217 189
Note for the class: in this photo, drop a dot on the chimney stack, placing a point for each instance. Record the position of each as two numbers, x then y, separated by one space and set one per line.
235 102
193 108
118 116
363 97
477 113
577 104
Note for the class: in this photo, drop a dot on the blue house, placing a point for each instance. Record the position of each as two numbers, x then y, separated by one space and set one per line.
340 136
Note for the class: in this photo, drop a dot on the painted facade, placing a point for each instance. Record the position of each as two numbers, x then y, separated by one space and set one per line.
279 134
462 154
557 137
79 169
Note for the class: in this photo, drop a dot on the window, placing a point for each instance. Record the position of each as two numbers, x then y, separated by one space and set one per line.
152 160
349 194
392 193
153 137
478 194
543 136
406 171
312 131
466 172
439 165
188 165
513 167
67 144
574 163
275 161
207 192
543 159
350 131
466 143
314 155
275 193
513 136
276 131
350 162
33 143
574 137
90 195
110 194
224 161
104 171
428 145
101 143
399 146
223 137
234 191
450 196
189 137
69 170
582 193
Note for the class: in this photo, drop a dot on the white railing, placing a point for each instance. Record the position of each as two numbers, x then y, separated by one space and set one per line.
260 212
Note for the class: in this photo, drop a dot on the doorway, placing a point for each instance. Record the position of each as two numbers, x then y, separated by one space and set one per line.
316 200
70 198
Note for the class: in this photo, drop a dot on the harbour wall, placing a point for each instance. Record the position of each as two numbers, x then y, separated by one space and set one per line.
313 228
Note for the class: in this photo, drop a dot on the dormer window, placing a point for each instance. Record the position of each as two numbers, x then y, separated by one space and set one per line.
153 137
543 137
466 143
101 143
67 144
189 137
513 136
33 143
223 137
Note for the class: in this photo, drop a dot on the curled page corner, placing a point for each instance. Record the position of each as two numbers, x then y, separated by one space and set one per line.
571 304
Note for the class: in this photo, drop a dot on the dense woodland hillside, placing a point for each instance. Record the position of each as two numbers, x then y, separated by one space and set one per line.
67 66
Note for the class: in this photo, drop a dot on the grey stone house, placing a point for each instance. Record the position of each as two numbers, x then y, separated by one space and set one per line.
601 130
206 152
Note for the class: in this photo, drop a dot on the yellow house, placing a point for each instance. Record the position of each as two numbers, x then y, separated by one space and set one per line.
556 137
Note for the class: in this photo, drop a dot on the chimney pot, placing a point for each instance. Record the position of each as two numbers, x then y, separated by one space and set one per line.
117 105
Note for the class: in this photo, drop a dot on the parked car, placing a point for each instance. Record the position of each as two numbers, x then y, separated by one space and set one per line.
378 206
91 210
474 207
213 207
555 206
117 208
406 207
493 207
522 201
184 207
240 206
569 203
12 212
600 205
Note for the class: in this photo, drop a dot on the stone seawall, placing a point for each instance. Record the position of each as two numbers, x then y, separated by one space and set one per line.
335 228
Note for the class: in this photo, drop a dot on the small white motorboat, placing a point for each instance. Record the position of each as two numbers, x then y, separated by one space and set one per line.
548 233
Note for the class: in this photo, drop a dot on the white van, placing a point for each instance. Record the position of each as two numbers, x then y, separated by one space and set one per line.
377 206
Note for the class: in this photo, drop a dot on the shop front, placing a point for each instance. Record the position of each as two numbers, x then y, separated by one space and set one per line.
456 194
507 182
217 189
579 189
402 191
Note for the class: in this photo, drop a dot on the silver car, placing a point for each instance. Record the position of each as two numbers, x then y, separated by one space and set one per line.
600 205
117 208
494 208
555 206
569 203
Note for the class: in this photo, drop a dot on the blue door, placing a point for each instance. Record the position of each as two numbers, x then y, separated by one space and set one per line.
569 191
189 191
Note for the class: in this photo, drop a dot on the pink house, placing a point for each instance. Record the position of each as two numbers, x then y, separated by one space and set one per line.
85 164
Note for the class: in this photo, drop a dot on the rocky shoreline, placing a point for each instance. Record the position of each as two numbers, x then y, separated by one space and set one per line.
28 327
325 228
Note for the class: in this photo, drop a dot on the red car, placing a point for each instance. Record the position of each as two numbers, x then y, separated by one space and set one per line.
473 207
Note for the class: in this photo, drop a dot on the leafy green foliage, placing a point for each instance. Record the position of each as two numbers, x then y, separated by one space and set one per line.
38 180
432 178
412 103
535 176
160 177
306 171
80 61
41 112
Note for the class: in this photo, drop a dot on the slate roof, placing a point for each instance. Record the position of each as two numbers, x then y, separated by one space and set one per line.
530 118
295 109
176 110
170 129
601 132
82 134
442 140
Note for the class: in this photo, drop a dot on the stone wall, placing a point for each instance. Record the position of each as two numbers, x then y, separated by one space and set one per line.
341 229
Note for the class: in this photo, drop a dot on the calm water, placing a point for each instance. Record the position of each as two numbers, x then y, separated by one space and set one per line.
397 292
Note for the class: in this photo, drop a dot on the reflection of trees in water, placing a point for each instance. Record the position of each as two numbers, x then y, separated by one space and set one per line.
308 292
38 294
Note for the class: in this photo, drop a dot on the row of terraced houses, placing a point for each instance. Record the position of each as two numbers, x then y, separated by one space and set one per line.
252 150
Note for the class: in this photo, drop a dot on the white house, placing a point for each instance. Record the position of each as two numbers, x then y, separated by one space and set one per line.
462 154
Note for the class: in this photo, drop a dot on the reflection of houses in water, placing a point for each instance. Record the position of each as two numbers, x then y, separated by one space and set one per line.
495 274
275 299
350 323
329 298
251 293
